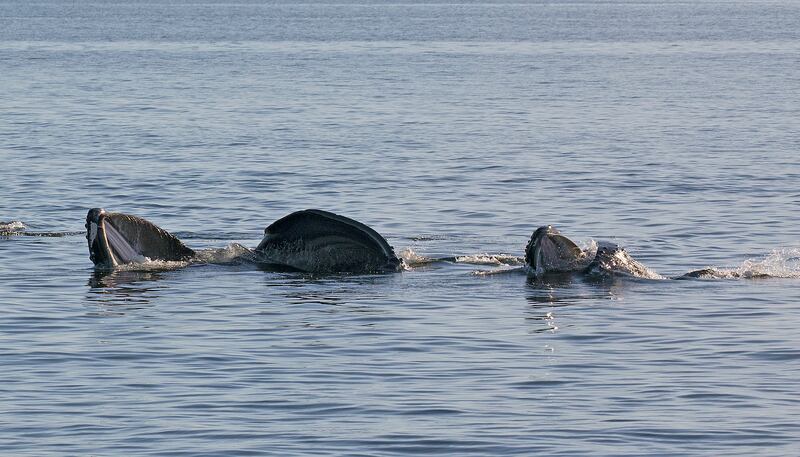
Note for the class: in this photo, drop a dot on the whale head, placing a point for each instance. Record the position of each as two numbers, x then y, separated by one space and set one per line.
117 239
550 251
612 259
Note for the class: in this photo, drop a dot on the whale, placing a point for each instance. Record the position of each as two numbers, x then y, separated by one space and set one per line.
117 239
548 251
318 241
312 240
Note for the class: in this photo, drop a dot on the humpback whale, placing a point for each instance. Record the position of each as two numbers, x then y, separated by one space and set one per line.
317 241
312 241
116 239
549 251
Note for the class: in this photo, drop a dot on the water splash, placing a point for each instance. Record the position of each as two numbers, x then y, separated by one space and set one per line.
491 259
153 265
779 263
500 271
412 259
232 253
12 226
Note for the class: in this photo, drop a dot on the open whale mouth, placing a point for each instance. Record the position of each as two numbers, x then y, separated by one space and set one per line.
117 239
549 250
108 247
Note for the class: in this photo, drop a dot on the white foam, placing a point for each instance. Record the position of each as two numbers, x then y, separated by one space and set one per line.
153 265
779 263
489 259
500 271
411 258
12 226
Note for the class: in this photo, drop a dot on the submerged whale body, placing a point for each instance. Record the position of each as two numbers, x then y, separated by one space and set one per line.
311 240
548 251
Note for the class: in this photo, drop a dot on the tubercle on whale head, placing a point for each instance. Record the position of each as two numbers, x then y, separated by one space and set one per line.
95 214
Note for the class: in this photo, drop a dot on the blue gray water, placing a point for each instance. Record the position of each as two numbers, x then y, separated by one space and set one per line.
452 129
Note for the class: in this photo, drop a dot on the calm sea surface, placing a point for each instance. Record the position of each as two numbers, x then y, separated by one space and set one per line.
452 129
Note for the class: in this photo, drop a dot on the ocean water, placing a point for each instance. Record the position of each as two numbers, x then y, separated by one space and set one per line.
453 129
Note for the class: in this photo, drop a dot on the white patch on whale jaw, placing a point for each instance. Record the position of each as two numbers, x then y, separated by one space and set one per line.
122 249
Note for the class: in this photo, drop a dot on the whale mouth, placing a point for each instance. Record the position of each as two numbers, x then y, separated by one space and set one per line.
108 247
118 239
550 251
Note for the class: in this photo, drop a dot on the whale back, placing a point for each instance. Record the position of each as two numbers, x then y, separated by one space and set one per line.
130 235
318 241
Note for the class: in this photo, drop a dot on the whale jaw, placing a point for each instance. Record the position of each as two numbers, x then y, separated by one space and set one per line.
100 251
